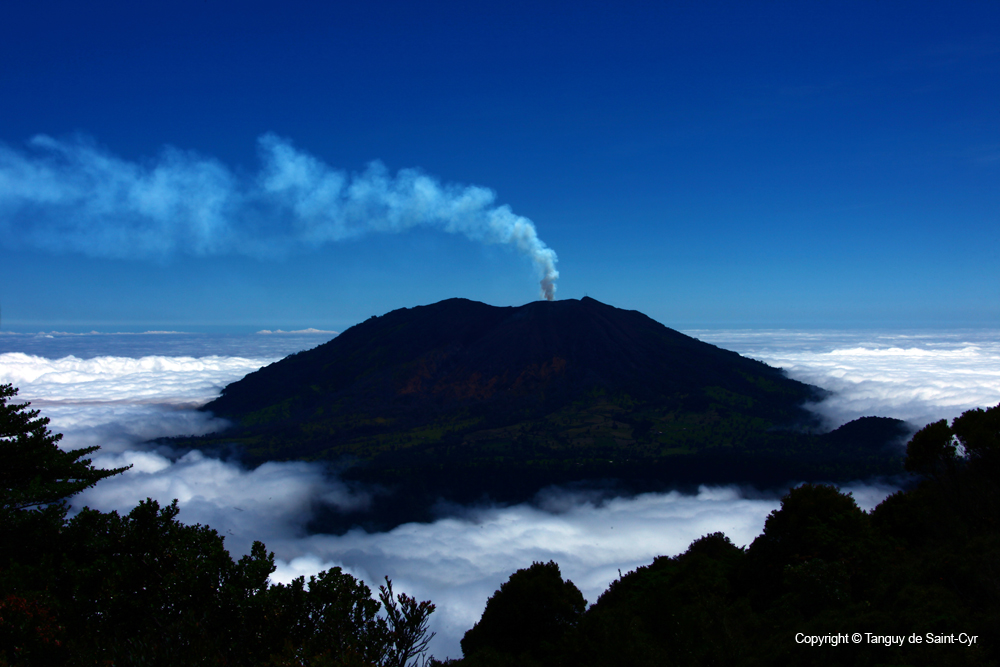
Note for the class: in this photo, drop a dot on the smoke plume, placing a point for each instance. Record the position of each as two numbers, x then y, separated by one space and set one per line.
73 196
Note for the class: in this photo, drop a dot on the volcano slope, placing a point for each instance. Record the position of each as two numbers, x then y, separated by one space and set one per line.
461 401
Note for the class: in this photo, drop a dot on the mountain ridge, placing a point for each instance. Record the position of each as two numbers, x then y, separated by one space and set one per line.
457 352
460 400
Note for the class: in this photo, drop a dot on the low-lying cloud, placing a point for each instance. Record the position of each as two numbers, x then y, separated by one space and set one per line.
459 560
164 380
272 502
919 377
74 196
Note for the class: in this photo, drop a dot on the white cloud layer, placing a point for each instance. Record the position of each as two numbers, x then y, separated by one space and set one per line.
457 562
73 196
155 379
919 377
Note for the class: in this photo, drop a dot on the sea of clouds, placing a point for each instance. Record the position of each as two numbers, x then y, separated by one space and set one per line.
918 376
119 391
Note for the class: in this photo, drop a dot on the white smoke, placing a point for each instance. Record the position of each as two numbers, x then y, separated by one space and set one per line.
73 196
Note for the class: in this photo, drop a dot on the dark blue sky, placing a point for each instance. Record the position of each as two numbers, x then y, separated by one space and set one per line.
734 164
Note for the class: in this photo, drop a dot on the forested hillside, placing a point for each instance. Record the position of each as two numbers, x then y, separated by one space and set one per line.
459 400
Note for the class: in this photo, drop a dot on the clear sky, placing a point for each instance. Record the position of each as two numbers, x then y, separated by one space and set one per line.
206 164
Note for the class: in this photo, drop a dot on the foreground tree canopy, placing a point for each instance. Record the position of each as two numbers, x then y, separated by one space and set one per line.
923 564
35 471
103 589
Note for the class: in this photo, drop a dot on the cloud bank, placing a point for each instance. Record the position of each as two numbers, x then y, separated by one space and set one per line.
155 379
73 196
459 560
919 377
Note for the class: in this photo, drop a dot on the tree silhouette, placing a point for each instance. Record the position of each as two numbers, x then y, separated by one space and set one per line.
35 471
931 449
407 631
528 615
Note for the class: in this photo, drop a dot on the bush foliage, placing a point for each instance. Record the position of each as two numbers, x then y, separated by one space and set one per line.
144 589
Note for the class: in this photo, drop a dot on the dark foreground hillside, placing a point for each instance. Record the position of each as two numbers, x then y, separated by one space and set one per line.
464 401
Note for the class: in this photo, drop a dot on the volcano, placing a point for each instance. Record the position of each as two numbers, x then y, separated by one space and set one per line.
459 400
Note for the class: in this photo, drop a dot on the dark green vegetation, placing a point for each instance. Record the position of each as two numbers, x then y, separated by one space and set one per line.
35 472
531 615
924 563
463 401
144 589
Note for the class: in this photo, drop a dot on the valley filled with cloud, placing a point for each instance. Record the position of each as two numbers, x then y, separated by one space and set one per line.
97 396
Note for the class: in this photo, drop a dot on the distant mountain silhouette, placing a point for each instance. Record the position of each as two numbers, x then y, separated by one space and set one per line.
460 400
